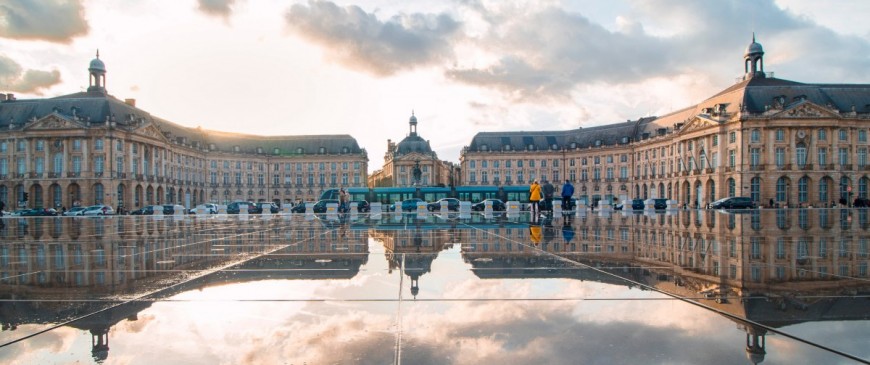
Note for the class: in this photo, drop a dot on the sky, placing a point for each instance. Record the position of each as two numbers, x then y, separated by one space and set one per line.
275 67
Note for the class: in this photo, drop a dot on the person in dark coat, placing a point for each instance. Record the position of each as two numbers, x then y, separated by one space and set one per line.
567 193
548 191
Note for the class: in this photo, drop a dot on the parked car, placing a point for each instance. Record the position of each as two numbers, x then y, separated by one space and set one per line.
452 204
362 206
861 202
98 209
497 205
233 208
74 211
320 206
147 210
410 205
39 212
299 208
207 208
170 209
17 212
637 204
736 202
660 204
259 207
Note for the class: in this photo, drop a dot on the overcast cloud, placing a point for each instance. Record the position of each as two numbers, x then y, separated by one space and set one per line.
48 20
358 39
220 8
14 78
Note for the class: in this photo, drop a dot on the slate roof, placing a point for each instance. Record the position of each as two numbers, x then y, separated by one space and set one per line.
413 143
97 108
605 135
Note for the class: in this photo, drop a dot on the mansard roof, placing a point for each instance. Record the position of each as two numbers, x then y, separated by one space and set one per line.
97 109
604 135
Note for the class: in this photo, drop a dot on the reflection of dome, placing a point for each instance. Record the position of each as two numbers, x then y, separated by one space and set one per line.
755 357
413 143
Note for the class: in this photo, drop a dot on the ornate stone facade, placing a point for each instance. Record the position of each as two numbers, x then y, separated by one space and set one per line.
91 148
412 162
774 140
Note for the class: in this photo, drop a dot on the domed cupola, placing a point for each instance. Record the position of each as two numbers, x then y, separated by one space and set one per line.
753 60
97 70
413 142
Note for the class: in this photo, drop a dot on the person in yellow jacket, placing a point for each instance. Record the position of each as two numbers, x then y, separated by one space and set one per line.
534 198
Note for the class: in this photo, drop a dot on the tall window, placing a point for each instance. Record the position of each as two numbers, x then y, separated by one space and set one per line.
732 188
803 189
843 154
862 135
823 190
781 187
39 165
801 155
98 193
755 189
862 187
57 166
823 156
844 186
823 134
754 156
780 157
4 169
862 157
844 135
755 135
732 158
780 135
99 164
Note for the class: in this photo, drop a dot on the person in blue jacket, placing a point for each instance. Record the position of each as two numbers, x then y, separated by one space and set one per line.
567 193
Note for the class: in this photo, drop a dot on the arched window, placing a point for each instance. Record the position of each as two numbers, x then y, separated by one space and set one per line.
823 189
803 189
56 195
844 186
755 189
732 188
781 187
4 194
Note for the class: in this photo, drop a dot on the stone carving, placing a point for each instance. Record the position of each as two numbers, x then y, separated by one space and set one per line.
804 111
53 122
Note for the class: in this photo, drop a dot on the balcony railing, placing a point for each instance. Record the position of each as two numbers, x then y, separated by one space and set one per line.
756 167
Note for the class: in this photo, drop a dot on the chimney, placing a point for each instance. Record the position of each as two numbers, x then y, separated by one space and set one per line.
2 97
130 102
10 97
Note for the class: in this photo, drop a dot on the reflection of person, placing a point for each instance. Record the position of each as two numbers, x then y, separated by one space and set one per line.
342 199
534 197
567 232
535 233
567 193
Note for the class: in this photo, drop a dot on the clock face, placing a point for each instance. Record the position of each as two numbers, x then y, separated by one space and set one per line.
801 134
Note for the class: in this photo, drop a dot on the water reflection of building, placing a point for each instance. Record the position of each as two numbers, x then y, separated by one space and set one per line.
415 243
773 267
46 263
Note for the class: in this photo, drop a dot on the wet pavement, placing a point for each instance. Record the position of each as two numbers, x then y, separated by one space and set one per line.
712 287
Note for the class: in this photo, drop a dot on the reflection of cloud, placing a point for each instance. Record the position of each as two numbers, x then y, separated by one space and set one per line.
57 341
135 326
14 78
360 40
50 20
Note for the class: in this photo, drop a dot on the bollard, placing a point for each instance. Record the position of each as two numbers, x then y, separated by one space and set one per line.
512 207
375 208
422 208
309 208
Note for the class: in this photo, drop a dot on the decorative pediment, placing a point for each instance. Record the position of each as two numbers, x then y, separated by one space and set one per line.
807 110
415 156
697 123
54 121
151 131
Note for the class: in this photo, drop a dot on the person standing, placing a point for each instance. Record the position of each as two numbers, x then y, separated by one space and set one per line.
2 207
548 191
342 199
534 198
567 193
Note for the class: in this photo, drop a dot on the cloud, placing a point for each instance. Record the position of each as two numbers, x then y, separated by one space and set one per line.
14 78
49 20
546 52
220 8
357 39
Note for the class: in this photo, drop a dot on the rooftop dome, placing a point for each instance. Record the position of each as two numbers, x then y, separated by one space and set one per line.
754 47
413 119
97 64
413 143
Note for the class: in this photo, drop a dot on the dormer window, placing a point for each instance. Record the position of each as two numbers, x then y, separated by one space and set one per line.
236 148
345 150
573 145
211 147
276 151
507 147
597 143
531 147
484 147
300 150
322 151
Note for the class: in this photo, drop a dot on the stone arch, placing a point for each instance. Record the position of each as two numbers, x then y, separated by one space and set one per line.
55 196
137 196
149 195
75 194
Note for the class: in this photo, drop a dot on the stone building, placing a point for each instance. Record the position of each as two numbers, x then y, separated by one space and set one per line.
91 148
794 143
412 162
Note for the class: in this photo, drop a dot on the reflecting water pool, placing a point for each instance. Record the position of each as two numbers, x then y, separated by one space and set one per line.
712 287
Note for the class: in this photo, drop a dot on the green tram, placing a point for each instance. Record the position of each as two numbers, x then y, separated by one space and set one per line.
473 194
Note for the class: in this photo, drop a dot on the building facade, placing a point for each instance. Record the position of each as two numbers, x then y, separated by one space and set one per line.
412 162
91 148
774 140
